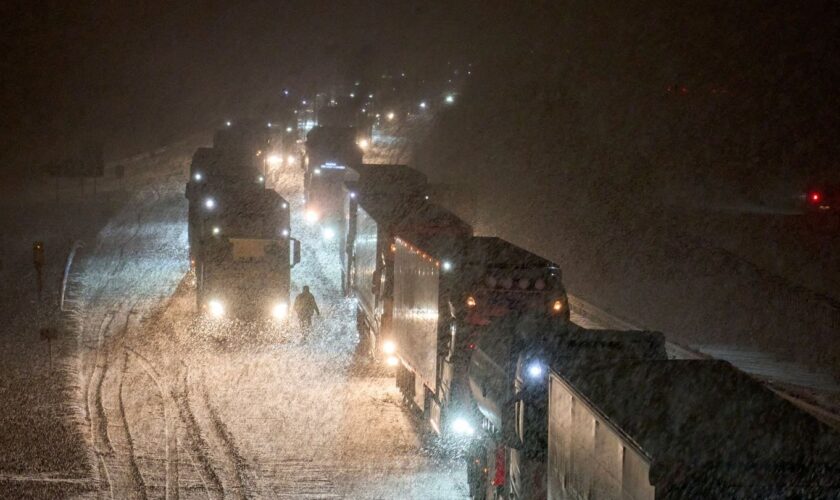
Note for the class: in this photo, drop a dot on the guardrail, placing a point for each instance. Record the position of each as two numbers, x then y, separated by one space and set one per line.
66 274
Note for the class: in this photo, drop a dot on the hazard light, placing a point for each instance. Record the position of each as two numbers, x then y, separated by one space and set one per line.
470 301
557 306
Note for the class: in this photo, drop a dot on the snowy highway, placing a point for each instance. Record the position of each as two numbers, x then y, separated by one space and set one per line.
181 407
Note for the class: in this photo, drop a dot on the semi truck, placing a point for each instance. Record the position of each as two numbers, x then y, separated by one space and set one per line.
508 375
378 220
447 292
392 188
245 255
330 153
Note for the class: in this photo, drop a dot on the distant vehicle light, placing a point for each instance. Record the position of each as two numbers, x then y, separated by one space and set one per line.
352 95
446 265
285 205
815 197
393 361
535 369
363 144
462 427
290 159
370 96
303 102
317 171
269 124
328 233
280 310
274 160
285 232
422 104
228 123
216 308
450 99
285 91
353 195
198 176
289 129
210 203
216 230
557 306
470 301
390 116
426 197
260 179
389 347
311 216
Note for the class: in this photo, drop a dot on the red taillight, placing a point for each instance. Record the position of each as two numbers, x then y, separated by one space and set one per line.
499 473
815 197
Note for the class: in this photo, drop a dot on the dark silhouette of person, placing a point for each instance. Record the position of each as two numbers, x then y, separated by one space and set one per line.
305 307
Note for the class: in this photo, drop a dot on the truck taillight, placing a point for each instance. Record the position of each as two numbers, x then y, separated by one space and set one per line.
815 197
499 472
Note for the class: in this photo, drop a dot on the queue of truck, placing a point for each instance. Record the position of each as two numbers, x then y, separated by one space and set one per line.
477 334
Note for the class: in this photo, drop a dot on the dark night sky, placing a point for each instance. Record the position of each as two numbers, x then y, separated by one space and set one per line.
137 74
122 71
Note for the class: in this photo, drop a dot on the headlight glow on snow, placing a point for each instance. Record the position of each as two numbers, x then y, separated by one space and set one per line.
311 216
389 347
280 310
216 308
274 160
392 361
328 233
461 426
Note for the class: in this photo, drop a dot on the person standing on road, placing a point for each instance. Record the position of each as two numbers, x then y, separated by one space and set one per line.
305 307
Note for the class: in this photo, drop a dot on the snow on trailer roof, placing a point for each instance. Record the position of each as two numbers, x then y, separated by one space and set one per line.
389 208
707 418
435 231
491 251
386 177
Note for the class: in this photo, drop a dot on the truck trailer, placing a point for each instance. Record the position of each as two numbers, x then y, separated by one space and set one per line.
246 252
508 376
330 153
392 188
678 429
379 219
447 292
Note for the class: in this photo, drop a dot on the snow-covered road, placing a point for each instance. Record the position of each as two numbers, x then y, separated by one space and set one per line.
179 407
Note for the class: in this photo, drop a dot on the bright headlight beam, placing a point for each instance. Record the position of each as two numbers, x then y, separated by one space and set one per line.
389 347
216 308
461 426
535 370
280 310
210 203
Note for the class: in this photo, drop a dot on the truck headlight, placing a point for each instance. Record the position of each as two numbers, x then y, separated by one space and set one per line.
461 426
389 347
392 361
280 310
535 370
216 308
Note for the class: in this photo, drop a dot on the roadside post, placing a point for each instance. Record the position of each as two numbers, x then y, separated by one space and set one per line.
49 334
38 260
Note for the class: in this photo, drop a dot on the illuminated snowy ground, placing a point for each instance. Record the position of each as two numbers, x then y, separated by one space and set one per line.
177 404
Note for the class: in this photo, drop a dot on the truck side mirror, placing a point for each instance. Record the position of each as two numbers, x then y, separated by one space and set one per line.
295 252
